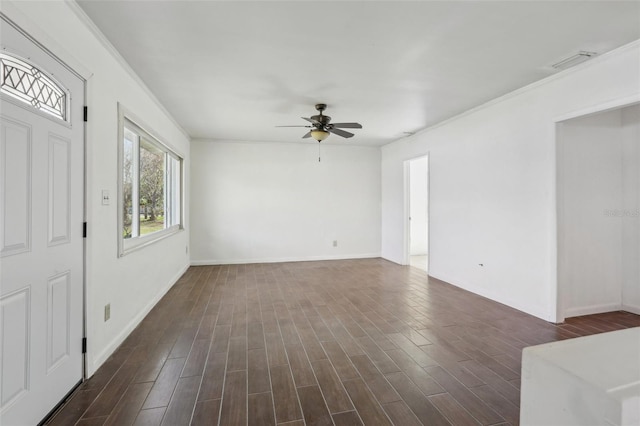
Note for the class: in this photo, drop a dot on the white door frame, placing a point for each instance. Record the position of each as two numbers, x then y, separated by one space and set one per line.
406 246
557 295
80 97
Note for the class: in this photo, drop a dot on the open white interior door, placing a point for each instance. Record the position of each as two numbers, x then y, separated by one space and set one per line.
41 241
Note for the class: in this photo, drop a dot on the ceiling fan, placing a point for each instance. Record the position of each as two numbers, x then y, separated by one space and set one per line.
321 126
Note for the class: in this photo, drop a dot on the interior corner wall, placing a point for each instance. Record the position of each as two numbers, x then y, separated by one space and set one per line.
492 184
598 212
134 283
630 122
272 202
590 202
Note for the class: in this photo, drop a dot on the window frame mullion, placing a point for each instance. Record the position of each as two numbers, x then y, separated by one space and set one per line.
135 189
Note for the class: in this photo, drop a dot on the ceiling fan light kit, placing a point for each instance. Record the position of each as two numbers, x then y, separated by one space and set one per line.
319 135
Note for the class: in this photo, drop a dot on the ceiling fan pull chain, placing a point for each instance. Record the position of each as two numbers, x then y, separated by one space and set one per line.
318 152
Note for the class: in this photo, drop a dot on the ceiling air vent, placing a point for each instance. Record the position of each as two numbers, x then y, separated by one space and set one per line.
573 60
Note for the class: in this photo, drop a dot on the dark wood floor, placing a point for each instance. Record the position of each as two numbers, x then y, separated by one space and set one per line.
320 343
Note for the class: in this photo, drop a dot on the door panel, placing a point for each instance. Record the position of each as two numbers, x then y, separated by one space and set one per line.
14 344
59 326
41 215
15 147
59 188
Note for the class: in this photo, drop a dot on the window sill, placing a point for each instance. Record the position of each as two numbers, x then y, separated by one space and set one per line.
131 245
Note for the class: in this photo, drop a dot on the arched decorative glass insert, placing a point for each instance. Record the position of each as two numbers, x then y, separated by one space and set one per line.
23 81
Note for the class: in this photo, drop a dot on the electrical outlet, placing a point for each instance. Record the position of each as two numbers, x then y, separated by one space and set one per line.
335 243
107 312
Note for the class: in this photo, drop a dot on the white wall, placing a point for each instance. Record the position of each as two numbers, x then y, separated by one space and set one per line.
418 206
589 231
492 184
630 121
131 284
267 202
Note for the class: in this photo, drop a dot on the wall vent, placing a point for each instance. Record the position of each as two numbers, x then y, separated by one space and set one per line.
573 60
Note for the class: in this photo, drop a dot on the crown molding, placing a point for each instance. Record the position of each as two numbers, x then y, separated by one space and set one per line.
84 18
559 75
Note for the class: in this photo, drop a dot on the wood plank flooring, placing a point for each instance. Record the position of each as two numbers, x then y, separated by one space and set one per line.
320 343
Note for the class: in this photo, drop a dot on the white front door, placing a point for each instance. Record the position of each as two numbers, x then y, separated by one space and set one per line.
41 241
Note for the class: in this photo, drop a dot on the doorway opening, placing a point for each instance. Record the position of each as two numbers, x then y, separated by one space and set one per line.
417 194
598 213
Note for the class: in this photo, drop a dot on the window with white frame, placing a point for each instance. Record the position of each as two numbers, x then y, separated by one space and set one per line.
150 202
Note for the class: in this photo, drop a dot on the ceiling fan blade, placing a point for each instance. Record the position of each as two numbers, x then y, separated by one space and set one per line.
311 120
347 125
341 133
308 135
295 126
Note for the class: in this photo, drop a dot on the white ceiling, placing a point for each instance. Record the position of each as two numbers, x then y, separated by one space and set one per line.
234 70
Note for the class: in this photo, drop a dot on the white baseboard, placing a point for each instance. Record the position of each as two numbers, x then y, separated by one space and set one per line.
397 262
281 259
536 311
634 309
99 359
592 309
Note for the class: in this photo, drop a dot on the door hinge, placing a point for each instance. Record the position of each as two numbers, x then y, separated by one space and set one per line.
84 229
84 345
86 114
